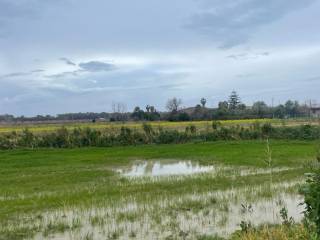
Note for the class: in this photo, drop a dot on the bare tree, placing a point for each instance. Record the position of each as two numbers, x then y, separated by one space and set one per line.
173 104
122 108
114 108
119 110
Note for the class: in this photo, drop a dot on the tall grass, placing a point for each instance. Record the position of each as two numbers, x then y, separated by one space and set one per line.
86 137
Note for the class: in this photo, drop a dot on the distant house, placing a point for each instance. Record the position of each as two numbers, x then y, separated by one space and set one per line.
315 111
101 120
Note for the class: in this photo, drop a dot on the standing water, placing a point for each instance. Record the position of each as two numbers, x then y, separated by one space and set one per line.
164 168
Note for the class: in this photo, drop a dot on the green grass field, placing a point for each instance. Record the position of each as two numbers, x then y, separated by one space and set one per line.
55 192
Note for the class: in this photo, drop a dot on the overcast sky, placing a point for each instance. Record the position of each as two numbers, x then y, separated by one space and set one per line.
61 56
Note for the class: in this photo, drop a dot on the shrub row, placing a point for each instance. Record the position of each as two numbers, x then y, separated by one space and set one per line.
86 137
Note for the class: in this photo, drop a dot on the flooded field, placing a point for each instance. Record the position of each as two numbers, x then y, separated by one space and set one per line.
147 198
188 215
183 217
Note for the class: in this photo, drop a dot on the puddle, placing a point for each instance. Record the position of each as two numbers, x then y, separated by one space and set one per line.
164 168
216 212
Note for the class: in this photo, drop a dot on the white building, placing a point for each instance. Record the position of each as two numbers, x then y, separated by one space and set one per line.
315 111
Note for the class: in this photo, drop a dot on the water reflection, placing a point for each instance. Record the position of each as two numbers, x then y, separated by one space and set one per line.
164 168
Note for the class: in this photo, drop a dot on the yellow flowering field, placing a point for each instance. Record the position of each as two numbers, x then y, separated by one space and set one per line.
180 126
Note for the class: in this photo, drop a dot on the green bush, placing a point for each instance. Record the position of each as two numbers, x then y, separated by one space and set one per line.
216 125
89 137
312 198
267 129
312 201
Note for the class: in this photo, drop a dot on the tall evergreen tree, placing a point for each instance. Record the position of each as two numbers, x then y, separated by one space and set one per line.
234 100
203 102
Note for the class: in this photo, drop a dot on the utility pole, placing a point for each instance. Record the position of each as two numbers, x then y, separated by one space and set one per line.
310 105
272 108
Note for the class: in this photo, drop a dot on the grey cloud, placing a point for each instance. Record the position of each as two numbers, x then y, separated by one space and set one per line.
64 74
38 71
21 74
313 79
237 56
169 86
11 11
96 66
77 89
247 75
15 74
231 22
247 56
90 67
265 54
175 61
68 61
138 79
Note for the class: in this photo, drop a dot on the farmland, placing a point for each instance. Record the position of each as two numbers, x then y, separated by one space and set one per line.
121 193
201 125
159 120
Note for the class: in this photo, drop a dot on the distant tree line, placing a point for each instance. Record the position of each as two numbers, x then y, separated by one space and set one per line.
89 137
232 108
